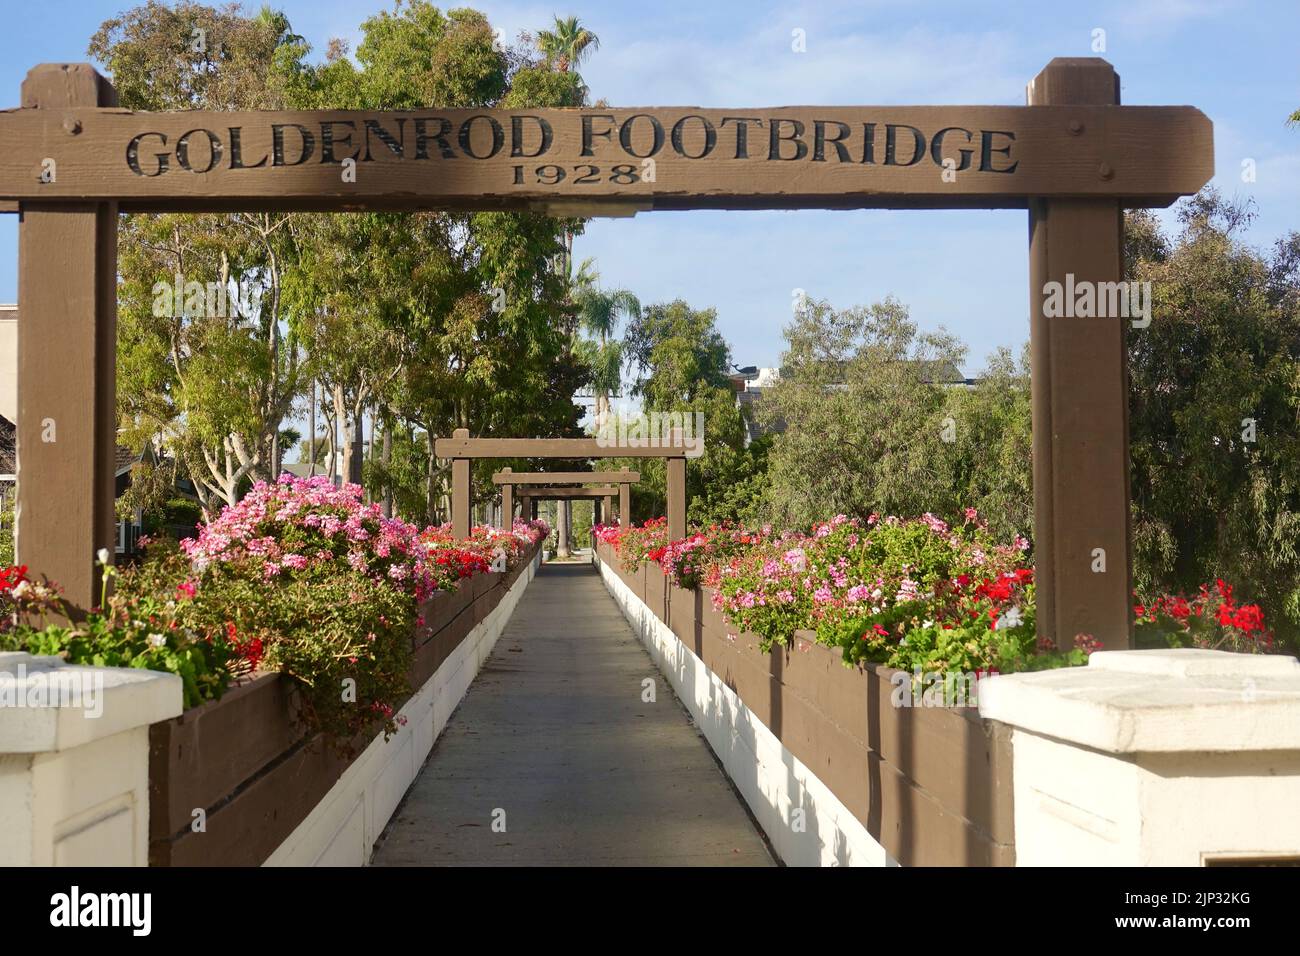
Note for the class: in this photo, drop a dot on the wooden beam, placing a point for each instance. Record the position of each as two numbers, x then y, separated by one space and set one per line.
507 507
676 499
508 477
564 448
67 421
535 159
625 505
1079 385
538 492
460 495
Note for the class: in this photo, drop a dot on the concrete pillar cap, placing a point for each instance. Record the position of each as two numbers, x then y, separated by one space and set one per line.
1158 701
48 705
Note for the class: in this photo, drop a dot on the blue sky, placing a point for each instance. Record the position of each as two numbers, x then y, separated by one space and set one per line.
1237 61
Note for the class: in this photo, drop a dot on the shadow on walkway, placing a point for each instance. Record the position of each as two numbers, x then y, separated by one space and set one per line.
554 742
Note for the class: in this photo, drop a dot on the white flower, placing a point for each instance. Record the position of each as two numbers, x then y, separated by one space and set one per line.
103 555
1012 618
157 640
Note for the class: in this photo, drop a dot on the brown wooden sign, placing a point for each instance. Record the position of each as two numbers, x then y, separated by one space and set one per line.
612 159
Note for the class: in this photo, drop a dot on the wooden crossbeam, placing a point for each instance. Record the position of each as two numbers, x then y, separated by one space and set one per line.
603 491
565 448
592 159
562 477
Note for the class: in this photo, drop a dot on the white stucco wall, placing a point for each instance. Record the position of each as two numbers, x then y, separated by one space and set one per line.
74 772
1154 758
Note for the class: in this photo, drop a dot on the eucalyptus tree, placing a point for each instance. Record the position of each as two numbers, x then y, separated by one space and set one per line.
463 311
210 374
427 321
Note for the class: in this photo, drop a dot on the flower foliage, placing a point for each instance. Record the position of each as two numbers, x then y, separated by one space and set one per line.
636 543
486 549
907 593
137 627
698 558
300 525
299 576
1212 618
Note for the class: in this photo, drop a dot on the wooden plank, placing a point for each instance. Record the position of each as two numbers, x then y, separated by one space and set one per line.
588 159
198 758
1080 401
564 448
508 477
570 494
67 297
840 721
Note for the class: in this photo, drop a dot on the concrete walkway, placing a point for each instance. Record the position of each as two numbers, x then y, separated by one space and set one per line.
553 736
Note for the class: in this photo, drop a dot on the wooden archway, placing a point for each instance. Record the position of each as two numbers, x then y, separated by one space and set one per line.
617 482
462 449
1073 157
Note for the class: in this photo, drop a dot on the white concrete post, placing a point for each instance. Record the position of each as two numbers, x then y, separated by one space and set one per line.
1154 758
74 760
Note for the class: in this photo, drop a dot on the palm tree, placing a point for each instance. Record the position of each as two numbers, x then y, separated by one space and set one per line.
599 311
567 43
278 23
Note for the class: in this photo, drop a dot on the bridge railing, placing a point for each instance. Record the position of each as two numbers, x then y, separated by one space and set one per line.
799 731
1140 758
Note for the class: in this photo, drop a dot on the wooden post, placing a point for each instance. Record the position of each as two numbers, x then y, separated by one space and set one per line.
507 507
606 508
676 498
460 491
624 505
1079 386
67 422
507 517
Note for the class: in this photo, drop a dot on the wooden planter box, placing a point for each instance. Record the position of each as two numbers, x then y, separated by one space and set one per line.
246 763
931 784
